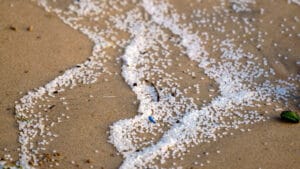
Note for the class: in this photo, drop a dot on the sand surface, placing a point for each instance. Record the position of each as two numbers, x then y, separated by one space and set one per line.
29 59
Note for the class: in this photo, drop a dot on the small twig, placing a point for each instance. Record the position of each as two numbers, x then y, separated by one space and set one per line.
51 107
156 90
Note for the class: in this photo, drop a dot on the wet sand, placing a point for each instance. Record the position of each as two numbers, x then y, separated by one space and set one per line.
29 59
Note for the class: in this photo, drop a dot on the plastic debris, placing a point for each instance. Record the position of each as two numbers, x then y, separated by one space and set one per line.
151 119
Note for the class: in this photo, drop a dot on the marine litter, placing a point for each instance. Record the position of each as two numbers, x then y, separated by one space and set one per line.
197 73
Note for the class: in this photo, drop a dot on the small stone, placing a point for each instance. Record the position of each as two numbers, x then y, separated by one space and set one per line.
30 28
31 163
40 163
56 154
290 116
13 28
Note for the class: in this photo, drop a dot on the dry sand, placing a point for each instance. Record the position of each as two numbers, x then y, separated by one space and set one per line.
29 59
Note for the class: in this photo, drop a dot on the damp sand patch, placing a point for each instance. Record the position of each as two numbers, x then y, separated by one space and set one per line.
234 83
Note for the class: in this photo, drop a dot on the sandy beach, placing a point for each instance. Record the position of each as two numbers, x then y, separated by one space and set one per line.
36 46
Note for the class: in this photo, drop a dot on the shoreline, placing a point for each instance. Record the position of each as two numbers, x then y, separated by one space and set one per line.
83 101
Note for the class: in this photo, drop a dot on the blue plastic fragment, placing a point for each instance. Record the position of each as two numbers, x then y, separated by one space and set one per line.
151 119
